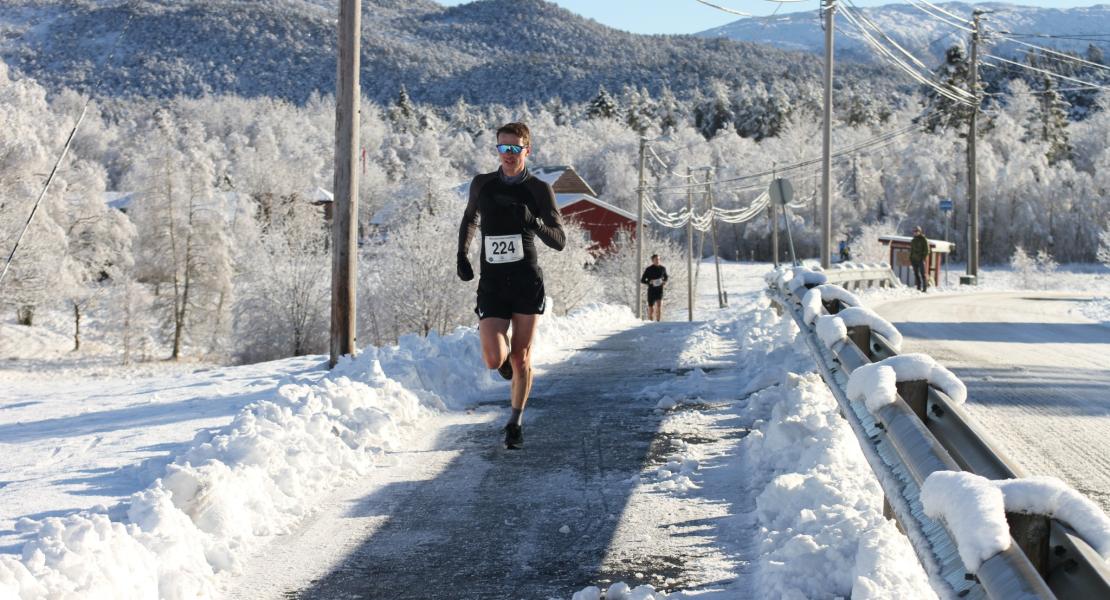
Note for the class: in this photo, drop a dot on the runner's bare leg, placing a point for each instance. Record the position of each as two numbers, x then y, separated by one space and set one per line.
494 334
524 328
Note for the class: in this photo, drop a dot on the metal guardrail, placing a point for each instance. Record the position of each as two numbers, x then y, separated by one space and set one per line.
923 432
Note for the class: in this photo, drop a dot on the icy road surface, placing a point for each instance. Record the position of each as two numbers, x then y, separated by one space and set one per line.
1037 373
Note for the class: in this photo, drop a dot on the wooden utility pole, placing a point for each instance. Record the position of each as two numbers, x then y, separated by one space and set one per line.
713 225
774 225
344 256
826 157
972 175
640 231
690 244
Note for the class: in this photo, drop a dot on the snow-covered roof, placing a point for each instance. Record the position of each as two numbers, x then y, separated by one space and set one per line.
320 195
937 245
563 200
120 201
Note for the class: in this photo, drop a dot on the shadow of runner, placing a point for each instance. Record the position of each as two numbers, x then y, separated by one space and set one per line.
533 523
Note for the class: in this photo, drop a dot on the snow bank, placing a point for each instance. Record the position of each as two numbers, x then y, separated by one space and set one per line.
973 509
812 301
1051 497
260 475
859 315
819 507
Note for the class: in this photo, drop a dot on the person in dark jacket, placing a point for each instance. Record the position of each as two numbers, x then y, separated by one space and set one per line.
510 209
919 253
655 277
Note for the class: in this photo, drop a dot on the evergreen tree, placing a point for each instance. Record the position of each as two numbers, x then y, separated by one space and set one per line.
1094 54
1051 122
641 109
603 106
403 113
715 113
943 112
668 112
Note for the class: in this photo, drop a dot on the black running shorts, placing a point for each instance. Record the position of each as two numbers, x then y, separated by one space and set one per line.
655 294
502 295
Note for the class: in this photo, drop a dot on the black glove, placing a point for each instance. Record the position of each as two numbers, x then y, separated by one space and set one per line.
527 219
463 268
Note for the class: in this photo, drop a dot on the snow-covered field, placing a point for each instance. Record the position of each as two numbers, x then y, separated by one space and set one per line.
120 484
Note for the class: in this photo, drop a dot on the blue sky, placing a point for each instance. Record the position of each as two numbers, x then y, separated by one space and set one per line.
688 16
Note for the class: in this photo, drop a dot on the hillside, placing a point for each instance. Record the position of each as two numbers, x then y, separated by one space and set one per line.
923 35
504 51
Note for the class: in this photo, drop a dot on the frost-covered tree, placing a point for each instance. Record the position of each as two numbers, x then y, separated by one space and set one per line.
1048 123
715 113
603 106
407 285
1103 254
283 287
183 247
641 113
98 255
568 274
943 112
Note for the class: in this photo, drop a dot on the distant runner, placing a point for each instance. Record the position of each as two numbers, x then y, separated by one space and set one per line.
655 277
919 253
515 208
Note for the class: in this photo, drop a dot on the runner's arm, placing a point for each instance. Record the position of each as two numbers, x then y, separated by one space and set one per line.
470 219
549 225
644 277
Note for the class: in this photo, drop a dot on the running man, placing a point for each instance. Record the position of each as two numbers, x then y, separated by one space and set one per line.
515 208
655 277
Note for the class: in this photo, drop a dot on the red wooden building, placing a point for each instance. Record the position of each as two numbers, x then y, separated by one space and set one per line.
578 202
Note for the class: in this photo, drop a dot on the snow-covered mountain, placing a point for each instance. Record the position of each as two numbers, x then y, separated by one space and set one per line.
928 37
504 51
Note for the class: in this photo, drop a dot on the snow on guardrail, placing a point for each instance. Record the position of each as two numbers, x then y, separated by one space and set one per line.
972 508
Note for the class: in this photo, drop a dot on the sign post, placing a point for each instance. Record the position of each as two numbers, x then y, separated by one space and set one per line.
946 208
782 192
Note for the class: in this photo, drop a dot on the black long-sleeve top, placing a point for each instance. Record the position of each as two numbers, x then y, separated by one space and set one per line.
501 206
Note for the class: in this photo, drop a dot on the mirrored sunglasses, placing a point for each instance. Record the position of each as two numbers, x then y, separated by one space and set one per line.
510 149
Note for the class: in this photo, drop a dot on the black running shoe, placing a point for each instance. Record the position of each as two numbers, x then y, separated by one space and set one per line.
506 369
514 436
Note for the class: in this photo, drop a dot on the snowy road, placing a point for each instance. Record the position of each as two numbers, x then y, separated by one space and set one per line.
1037 372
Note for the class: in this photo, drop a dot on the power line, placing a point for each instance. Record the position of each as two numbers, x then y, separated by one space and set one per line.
890 135
952 93
724 9
65 148
1043 71
1065 56
940 18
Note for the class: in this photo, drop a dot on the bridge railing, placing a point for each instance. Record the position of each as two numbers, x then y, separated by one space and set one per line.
923 431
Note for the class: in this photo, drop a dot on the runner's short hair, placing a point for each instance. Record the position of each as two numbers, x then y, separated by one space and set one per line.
517 129
654 256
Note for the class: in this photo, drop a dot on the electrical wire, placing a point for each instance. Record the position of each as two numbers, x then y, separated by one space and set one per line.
958 25
952 93
945 12
1043 71
724 9
851 6
65 148
805 163
1065 56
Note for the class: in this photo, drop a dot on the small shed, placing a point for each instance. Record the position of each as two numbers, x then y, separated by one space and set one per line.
578 202
900 258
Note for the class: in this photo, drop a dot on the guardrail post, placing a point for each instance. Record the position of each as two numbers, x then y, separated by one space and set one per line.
916 395
1030 532
861 337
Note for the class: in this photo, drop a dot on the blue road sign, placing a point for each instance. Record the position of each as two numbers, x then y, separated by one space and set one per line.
946 205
